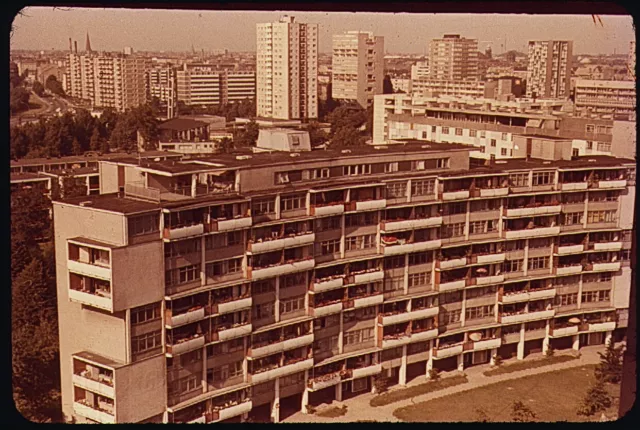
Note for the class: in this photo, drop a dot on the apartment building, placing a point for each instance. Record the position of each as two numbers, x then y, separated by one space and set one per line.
287 70
238 286
549 69
453 58
443 87
206 84
238 86
357 67
491 125
631 62
614 98
162 83
420 70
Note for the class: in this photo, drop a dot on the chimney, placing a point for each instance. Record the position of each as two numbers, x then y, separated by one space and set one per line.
75 45
70 46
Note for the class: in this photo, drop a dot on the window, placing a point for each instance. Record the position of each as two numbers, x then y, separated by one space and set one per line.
263 287
453 230
450 317
590 128
328 223
282 178
419 258
358 336
594 217
596 296
315 174
572 218
144 224
358 169
479 312
603 146
510 266
146 342
224 267
325 322
493 143
480 227
445 130
224 372
473 133
265 310
442 163
361 242
483 134
575 152
291 203
482 149
419 279
329 344
433 128
263 207
330 247
458 132
505 136
361 220
393 284
519 180
291 305
503 152
233 345
145 313
397 190
543 178
589 144
480 292
296 378
539 243
424 134
535 263
182 247
423 187
182 275
392 167
566 299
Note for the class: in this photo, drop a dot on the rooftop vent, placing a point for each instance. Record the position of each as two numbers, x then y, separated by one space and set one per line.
294 154
591 160
243 157
381 147
546 162
346 151
500 162
156 159
86 203
426 146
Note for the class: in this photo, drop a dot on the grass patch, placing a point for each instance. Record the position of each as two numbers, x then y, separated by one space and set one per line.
333 412
552 396
525 365
417 390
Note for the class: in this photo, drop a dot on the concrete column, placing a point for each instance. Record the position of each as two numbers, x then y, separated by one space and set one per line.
341 336
576 342
467 226
204 370
275 405
194 181
308 205
608 337
244 417
409 191
406 274
339 392
343 245
547 339
305 393
402 374
372 381
87 184
429 365
276 304
521 343
277 204
493 353
460 358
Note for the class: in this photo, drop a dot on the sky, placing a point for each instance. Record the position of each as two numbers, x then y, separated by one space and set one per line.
43 28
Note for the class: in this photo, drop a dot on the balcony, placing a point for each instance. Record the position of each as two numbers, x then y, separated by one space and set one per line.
396 318
487 280
573 186
424 335
323 310
363 302
527 316
405 248
101 387
410 224
192 315
87 269
229 224
284 370
324 381
547 293
606 267
515 297
281 346
490 258
367 371
332 209
453 285
453 263
101 300
570 249
494 192
282 243
564 331
200 420
532 233
366 277
607 246
455 195
602 326
367 205
227 333
541 210
97 415
393 341
232 305
173 233
281 269
569 270
328 284
186 345
481 345
225 413
448 351
621 183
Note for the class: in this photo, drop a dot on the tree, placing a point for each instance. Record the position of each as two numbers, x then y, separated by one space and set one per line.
19 142
53 85
434 374
481 415
73 187
77 149
38 88
226 145
610 367
94 142
347 136
387 86
597 399
18 99
347 116
317 136
521 413
381 384
248 136
29 216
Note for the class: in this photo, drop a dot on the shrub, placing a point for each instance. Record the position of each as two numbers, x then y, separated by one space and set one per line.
381 384
497 360
434 374
550 351
610 367
521 413
597 399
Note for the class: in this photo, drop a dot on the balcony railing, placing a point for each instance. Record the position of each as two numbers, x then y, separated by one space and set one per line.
88 269
564 331
285 268
328 380
216 225
570 249
371 370
230 331
327 284
365 276
395 340
452 285
390 226
287 368
185 345
396 247
455 195
230 305
173 233
532 232
102 386
526 316
488 258
281 346
322 309
601 326
607 246
193 314
606 266
569 270
101 416
100 299
232 409
487 280
573 186
453 263
483 344
450 350
336 208
602 184
530 211
366 205
271 244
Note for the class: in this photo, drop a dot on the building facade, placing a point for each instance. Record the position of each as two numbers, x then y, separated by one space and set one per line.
453 58
287 70
211 290
447 88
632 60
549 69
162 83
204 84
615 98
357 67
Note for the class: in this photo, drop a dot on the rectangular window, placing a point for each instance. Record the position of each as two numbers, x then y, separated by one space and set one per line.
543 178
566 299
263 207
535 263
182 247
572 218
589 144
479 312
503 151
450 317
358 336
453 230
392 167
519 179
504 136
423 187
224 267
146 342
445 130
145 313
182 275
604 146
361 242
493 143
596 296
590 128
397 190
282 178
483 134
442 163
510 266
424 134
292 305
328 223
473 133
357 169
144 224
330 247
419 279
433 128
458 132
291 203
265 310
594 217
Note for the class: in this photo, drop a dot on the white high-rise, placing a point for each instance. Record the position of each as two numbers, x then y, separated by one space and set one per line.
549 69
287 70
357 66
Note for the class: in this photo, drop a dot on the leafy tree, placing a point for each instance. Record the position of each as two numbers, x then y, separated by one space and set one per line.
73 187
19 142
18 99
29 216
53 85
38 88
347 116
347 136
521 413
77 149
94 142
481 415
550 351
497 360
104 146
381 384
226 145
434 374
317 136
156 106
597 399
610 367
248 136
387 86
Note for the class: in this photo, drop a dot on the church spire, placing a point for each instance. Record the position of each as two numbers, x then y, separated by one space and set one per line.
87 45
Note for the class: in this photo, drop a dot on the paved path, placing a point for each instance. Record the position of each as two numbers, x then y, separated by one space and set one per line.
359 408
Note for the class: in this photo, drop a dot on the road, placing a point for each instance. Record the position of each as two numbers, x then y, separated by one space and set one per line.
48 107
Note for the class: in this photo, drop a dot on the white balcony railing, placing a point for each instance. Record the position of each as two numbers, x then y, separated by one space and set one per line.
235 305
542 294
449 351
186 346
515 298
532 232
363 302
455 195
285 242
494 192
336 209
181 232
234 411
411 247
603 326
234 332
419 314
607 246
453 285
331 284
453 263
282 371
491 258
615 266
565 331
187 317
569 270
320 311
367 371
486 280
411 224
396 318
570 249
392 343
529 316
282 269
541 210
487 344
424 335
94 300
234 224
91 270
94 386
371 205
574 186
93 414
362 278
324 382
612 184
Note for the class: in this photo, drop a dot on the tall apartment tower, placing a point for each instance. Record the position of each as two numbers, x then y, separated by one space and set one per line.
453 58
549 69
287 70
357 66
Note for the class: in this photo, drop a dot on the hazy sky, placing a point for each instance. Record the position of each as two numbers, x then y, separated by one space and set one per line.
44 28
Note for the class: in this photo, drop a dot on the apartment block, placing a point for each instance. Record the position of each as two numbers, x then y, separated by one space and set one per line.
549 69
420 70
444 87
614 98
357 67
204 84
162 83
632 60
234 287
453 58
287 70
491 125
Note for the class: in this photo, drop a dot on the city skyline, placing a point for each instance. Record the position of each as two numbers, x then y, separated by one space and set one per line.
43 28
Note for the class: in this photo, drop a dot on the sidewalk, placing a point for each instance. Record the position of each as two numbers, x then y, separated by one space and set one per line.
359 408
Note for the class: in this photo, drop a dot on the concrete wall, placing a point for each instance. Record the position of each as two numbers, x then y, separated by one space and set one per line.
626 208
141 390
622 288
623 141
108 177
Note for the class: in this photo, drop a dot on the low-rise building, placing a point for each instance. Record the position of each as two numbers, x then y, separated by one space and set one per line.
615 98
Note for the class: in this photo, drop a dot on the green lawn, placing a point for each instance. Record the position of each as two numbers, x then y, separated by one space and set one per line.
553 396
531 364
417 390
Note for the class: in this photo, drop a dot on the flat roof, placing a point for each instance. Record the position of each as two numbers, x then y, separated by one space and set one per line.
98 359
93 242
182 124
27 176
90 158
112 203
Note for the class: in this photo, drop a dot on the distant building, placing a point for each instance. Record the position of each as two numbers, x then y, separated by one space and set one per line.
282 139
504 87
357 66
420 70
443 87
287 84
453 58
632 60
128 50
162 82
616 98
208 85
402 84
549 69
